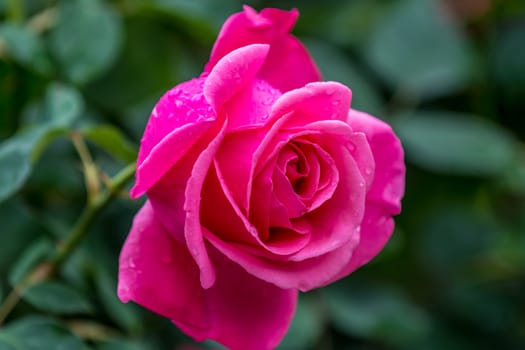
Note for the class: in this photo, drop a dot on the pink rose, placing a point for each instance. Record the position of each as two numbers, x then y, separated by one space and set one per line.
260 182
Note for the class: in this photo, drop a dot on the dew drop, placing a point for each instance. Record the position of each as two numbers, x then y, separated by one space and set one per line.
303 286
329 91
131 263
196 97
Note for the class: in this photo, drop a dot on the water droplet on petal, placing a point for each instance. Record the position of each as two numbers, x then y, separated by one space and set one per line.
131 263
329 91
196 97
303 286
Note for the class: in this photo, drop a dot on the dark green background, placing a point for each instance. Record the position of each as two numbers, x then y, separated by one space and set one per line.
448 75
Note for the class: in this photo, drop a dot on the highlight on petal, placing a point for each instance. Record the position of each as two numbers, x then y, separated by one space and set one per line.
166 154
177 121
288 65
232 72
314 102
239 311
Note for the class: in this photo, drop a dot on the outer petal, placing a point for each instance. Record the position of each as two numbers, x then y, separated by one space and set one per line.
239 311
288 66
232 89
232 72
389 179
180 117
157 272
384 197
246 312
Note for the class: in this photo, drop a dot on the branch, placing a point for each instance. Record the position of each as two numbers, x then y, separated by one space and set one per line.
50 266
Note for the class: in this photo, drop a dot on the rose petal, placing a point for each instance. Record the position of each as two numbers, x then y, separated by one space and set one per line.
288 65
229 221
246 312
285 194
336 222
235 165
192 196
231 225
384 197
250 107
178 120
158 273
389 178
303 275
234 71
239 311
313 102
166 154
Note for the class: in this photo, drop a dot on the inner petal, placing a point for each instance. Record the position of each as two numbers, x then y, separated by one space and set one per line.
293 163
286 195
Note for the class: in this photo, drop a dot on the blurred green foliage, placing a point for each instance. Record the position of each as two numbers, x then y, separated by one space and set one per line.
449 75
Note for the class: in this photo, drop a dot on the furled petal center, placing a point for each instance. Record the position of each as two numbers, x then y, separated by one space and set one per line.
304 176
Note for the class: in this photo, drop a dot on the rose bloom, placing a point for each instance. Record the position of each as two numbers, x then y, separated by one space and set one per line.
261 182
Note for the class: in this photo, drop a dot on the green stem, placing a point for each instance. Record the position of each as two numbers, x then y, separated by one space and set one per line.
49 267
15 11
93 208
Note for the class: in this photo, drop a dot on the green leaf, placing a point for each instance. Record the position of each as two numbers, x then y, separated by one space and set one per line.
38 333
33 255
14 166
26 47
486 307
375 312
453 239
19 230
306 328
18 153
205 17
8 343
112 140
336 66
86 39
57 298
351 22
64 104
508 62
1 292
121 344
454 143
417 50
